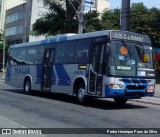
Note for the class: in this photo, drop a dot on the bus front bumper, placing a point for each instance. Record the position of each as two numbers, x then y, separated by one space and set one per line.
112 92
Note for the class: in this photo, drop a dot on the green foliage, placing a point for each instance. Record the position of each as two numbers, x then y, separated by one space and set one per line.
63 18
146 21
111 19
6 47
142 20
1 43
92 22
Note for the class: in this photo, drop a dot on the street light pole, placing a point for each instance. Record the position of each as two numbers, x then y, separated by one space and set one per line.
80 26
4 45
125 15
80 14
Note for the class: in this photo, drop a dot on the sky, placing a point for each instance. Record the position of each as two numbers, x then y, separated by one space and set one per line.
149 3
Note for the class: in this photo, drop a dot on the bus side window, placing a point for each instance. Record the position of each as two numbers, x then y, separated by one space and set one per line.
30 55
14 56
65 53
11 57
21 56
82 51
58 53
39 55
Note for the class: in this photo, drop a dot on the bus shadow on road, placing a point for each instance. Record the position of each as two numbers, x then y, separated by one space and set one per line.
98 103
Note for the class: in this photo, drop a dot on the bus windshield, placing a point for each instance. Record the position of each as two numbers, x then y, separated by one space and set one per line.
128 58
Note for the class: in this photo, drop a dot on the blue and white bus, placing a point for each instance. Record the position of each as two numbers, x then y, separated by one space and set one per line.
103 64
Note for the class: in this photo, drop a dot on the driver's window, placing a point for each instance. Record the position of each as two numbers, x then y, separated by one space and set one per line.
145 55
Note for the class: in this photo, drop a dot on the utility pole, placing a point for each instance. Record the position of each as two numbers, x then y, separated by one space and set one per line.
4 46
125 15
81 18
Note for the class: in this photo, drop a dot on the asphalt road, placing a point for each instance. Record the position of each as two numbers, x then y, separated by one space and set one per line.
43 110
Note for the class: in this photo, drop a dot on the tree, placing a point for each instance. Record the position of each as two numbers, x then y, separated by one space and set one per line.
111 19
143 20
92 22
146 21
61 18
1 42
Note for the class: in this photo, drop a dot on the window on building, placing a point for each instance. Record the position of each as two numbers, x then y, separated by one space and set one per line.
15 17
14 31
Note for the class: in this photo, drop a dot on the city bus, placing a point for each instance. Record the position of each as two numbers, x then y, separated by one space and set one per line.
104 64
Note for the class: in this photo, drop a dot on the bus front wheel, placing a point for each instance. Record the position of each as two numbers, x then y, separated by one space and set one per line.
120 101
27 86
80 95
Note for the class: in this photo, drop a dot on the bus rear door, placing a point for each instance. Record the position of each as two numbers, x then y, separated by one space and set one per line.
47 69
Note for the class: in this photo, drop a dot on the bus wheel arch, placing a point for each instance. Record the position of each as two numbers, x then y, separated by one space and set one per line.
27 87
79 88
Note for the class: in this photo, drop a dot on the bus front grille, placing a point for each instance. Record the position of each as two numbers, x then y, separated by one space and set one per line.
135 87
135 94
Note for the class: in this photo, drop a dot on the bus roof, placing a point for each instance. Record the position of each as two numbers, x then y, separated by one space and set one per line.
72 36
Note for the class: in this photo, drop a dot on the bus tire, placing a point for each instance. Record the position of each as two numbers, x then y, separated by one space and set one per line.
120 101
80 95
27 86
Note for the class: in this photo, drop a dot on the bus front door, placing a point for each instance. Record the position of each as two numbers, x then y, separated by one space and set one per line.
47 69
96 69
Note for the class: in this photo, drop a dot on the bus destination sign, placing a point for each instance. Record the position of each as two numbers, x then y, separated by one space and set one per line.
130 36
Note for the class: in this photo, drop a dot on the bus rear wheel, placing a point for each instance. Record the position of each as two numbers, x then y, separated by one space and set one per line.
27 86
120 101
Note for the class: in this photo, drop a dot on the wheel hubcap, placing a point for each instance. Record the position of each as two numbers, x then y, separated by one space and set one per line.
27 86
81 93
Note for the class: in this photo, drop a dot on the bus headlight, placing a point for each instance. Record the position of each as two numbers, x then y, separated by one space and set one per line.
116 86
150 88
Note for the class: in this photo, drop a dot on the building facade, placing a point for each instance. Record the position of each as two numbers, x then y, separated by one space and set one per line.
15 24
17 18
5 5
100 5
2 14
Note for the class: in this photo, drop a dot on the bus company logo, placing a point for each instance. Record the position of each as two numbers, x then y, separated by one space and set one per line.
136 84
21 70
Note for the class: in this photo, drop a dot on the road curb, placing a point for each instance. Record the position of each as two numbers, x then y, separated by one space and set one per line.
150 101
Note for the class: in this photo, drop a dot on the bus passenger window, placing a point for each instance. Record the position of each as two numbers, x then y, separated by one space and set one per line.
67 52
58 53
82 52
39 56
30 55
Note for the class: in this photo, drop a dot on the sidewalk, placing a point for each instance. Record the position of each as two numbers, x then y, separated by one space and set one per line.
149 100
1 74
